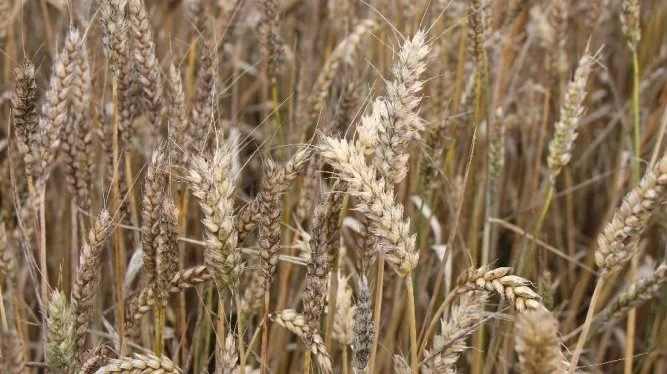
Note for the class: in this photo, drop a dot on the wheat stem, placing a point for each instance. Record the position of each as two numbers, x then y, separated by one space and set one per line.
587 326
414 362
377 310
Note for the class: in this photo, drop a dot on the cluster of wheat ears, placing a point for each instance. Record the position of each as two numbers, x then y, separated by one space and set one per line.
348 186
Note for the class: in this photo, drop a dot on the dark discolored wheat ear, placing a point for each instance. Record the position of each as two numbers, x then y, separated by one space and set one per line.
363 328
24 113
201 115
317 271
166 263
146 64
86 283
268 237
271 38
154 194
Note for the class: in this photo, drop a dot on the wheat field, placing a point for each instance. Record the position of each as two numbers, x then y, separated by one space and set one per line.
333 186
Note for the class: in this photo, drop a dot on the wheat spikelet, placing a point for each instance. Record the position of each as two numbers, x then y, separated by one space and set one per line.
166 263
86 284
145 364
56 107
537 343
268 237
363 328
630 21
296 324
617 242
93 359
146 63
13 352
635 295
76 135
179 123
7 262
117 49
201 116
272 41
24 112
560 147
182 280
397 112
229 357
60 348
375 202
343 327
317 271
212 184
154 193
345 50
501 281
463 320
249 216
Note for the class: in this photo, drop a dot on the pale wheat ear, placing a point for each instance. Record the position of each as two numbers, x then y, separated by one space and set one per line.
538 344
617 242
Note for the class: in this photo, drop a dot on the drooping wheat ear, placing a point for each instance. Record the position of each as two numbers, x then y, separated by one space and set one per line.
24 112
146 63
201 116
617 242
146 364
154 192
55 110
115 38
179 125
317 272
272 40
249 216
630 22
363 328
296 324
212 183
344 51
635 295
477 29
13 353
270 203
398 111
501 281
182 280
86 283
401 365
565 133
343 328
538 344
229 357
463 320
376 202
60 348
94 359
76 132
166 262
